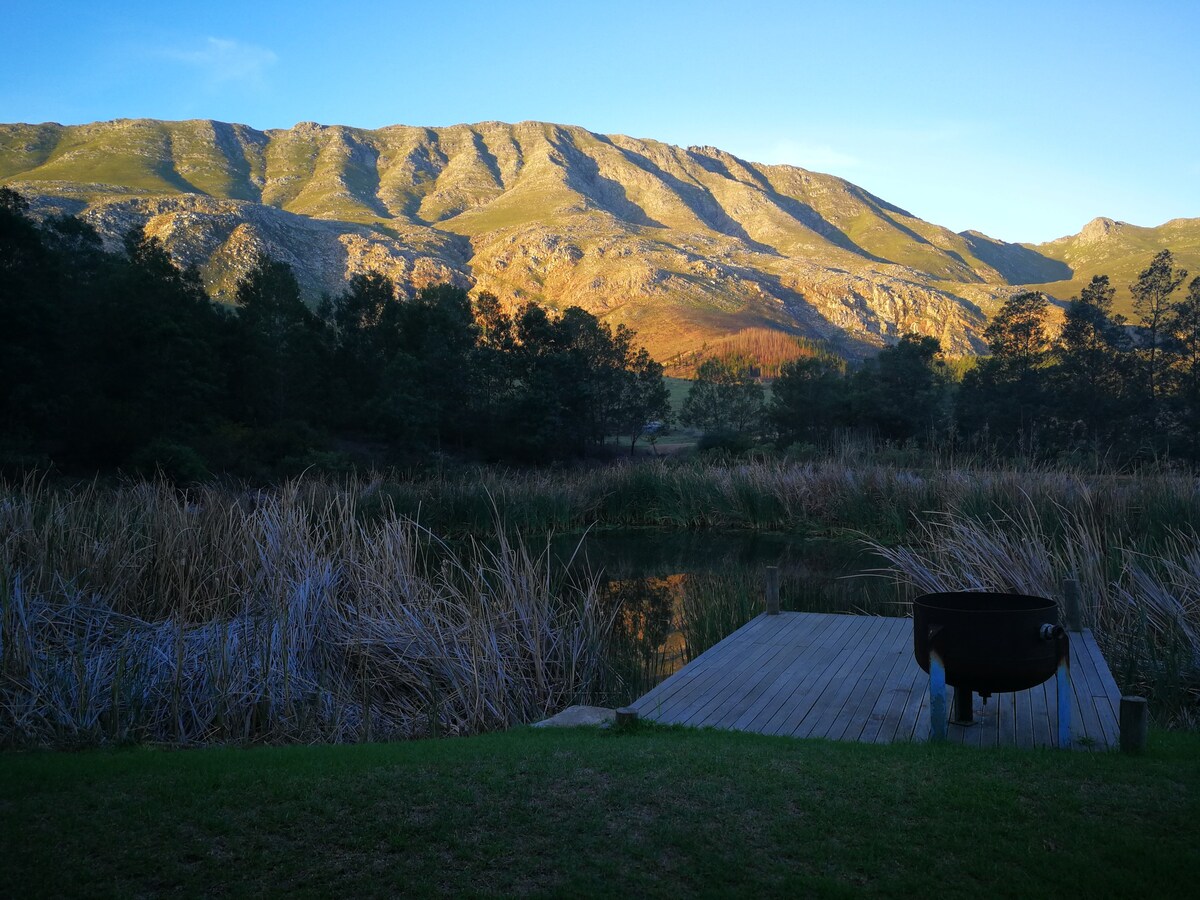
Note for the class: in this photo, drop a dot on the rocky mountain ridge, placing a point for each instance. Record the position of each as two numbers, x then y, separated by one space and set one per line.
683 244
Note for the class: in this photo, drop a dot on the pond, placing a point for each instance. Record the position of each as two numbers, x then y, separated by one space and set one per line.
675 594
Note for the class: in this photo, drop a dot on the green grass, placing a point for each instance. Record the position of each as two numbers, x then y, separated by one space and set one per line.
678 388
648 812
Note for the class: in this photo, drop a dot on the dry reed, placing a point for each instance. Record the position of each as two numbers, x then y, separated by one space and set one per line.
1141 597
140 614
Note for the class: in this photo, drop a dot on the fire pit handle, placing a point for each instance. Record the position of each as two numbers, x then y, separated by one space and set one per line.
1050 632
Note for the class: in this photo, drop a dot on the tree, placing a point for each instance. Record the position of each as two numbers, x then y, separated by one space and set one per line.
1152 301
1090 354
1005 393
281 358
645 400
364 322
903 394
809 398
428 390
724 397
1183 325
29 324
1017 334
148 356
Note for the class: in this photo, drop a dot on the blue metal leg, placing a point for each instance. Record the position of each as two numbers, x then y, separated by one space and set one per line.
937 698
1063 679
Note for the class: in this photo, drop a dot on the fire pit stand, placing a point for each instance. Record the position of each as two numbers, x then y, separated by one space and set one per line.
986 643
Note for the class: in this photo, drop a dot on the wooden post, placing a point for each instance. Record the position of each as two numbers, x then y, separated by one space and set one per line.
1072 607
1135 724
772 590
937 698
627 716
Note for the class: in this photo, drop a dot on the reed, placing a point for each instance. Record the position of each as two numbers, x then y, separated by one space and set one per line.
140 614
884 500
1140 589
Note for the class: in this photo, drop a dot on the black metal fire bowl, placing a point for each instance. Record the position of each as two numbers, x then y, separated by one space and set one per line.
987 642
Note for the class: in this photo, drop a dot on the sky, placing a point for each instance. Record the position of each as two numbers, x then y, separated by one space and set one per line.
1021 120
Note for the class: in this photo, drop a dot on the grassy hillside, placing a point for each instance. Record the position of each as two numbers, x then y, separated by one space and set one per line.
1120 251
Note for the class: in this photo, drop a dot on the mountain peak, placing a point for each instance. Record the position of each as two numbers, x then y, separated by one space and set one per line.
1100 229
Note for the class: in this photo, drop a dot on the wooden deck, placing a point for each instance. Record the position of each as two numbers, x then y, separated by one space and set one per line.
854 678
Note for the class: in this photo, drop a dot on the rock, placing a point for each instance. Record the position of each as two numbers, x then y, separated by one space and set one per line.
576 716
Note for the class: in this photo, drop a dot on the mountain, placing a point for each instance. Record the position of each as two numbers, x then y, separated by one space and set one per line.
684 245
1120 251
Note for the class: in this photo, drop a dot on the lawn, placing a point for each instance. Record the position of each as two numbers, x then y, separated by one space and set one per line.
650 811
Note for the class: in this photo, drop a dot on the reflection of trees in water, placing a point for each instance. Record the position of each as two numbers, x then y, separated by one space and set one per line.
645 642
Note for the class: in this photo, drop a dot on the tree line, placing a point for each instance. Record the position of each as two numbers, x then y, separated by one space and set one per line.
1099 384
121 361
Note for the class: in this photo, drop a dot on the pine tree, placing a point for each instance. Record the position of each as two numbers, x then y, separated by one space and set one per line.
1152 300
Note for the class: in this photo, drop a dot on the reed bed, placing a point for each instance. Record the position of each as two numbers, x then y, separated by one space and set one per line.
1140 592
138 613
884 501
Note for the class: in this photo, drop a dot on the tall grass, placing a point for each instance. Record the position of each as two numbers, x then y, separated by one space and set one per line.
137 613
885 501
1140 589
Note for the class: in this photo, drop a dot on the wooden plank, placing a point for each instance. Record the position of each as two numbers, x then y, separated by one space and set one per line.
716 669
800 675
759 712
766 681
1006 719
845 687
663 691
863 722
989 720
920 718
704 659
1042 729
1111 738
749 681
1085 726
884 716
766 701
968 734
1108 684
984 718
898 725
727 678
893 649
821 680
1104 695
1023 732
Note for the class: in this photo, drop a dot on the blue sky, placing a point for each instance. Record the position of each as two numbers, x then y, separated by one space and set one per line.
1022 120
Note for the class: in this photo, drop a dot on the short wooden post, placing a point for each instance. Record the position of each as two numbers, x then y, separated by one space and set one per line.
626 716
772 590
1072 606
1135 724
937 698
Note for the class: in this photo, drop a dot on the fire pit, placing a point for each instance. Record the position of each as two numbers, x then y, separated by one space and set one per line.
986 643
